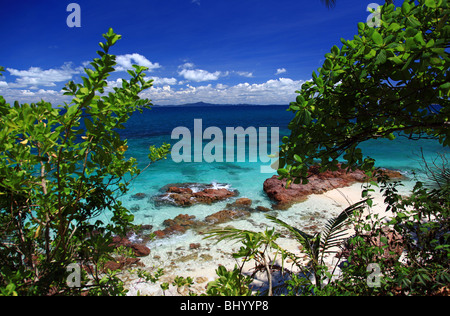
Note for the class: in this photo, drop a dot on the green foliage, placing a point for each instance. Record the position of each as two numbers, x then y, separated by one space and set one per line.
59 169
385 82
229 283
324 242
256 247
424 221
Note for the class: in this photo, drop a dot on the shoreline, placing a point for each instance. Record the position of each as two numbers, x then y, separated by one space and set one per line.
176 256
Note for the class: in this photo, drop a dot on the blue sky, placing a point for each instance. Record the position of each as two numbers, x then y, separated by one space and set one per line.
217 51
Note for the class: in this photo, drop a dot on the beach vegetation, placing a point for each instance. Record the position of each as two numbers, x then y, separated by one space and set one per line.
60 169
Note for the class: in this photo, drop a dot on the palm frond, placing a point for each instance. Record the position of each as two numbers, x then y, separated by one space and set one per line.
310 243
334 231
299 235
227 233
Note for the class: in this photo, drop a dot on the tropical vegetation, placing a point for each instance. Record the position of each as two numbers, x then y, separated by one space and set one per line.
62 167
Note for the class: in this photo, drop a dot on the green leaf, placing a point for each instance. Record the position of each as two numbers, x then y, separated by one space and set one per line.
298 158
371 54
430 43
396 60
381 57
361 26
394 27
406 8
335 50
283 172
72 110
377 38
419 38
412 21
328 64
84 91
300 100
430 3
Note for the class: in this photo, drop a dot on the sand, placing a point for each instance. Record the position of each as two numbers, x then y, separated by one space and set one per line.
178 259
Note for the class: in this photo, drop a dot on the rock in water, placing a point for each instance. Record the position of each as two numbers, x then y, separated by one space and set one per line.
188 194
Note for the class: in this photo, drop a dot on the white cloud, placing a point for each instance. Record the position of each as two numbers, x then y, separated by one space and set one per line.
164 81
280 71
28 96
125 62
197 2
245 74
35 76
198 75
279 91
157 81
221 86
187 66
30 85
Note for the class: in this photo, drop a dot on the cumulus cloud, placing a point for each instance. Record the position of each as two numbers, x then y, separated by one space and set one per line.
278 91
35 76
28 96
199 75
158 81
125 62
280 71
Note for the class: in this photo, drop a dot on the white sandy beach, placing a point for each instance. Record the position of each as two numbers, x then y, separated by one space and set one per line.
178 259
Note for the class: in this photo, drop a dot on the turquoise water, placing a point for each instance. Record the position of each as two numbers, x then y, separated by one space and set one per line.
155 126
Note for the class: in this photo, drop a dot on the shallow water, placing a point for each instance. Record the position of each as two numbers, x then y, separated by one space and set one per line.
155 126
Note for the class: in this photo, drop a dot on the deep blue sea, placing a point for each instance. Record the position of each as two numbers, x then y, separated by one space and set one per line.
155 126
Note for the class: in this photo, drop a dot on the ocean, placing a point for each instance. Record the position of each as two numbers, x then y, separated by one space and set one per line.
155 126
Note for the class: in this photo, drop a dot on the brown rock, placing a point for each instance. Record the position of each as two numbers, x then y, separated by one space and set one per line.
112 265
263 209
159 233
225 216
181 194
121 263
140 250
194 246
392 174
180 224
179 190
244 202
118 241
319 182
139 196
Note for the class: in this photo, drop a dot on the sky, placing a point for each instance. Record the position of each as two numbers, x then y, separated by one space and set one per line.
214 51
